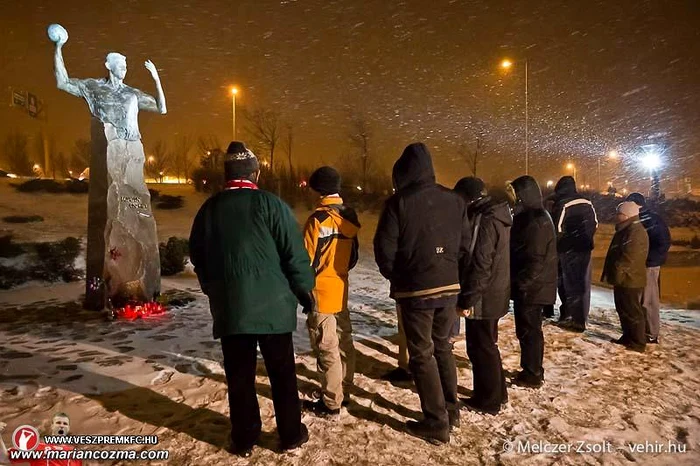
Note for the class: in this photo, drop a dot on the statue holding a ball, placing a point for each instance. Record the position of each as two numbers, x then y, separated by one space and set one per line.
123 262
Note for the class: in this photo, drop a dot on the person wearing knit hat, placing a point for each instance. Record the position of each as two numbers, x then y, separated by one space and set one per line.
628 209
470 188
250 261
330 237
625 270
659 244
486 295
240 163
325 181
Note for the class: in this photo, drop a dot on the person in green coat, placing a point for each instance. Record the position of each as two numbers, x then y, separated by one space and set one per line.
249 256
625 270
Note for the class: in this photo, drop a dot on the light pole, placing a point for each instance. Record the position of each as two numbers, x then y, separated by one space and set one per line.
652 162
572 167
506 65
611 155
234 91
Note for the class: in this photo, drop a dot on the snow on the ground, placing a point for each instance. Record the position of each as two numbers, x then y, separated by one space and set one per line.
164 376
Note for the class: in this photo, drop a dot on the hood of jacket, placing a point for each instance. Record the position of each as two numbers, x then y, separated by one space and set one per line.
414 167
344 217
528 192
486 205
566 187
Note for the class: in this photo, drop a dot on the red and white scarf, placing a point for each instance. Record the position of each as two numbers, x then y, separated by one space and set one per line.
241 184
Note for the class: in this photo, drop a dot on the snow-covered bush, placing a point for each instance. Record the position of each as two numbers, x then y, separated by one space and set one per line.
173 256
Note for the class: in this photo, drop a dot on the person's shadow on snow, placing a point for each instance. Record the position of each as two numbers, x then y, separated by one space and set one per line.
138 403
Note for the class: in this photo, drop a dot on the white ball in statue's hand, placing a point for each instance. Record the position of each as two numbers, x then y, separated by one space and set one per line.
58 33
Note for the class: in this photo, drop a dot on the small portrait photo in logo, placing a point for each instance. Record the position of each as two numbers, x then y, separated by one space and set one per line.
60 424
25 438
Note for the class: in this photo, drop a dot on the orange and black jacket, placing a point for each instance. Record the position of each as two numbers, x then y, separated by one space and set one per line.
330 237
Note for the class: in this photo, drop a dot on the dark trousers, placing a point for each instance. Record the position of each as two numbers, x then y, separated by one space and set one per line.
240 361
576 284
629 308
562 294
455 328
482 349
528 328
548 311
431 361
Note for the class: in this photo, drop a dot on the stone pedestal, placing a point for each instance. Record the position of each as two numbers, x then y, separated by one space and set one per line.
123 262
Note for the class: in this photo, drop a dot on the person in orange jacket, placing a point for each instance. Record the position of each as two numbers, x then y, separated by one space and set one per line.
330 237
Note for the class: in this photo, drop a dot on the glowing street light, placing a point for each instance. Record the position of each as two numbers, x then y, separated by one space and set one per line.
572 167
151 159
651 161
550 184
507 64
234 92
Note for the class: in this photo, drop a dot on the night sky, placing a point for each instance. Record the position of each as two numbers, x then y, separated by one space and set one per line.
603 74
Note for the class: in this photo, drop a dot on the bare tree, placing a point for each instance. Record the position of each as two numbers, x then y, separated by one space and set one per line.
159 161
263 126
80 156
209 149
16 154
471 156
182 161
288 143
359 136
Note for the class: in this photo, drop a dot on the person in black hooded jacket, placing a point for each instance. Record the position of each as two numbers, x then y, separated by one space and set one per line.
659 244
576 222
420 246
533 271
485 295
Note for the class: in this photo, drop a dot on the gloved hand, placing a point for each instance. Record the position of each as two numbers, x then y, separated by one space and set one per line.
308 302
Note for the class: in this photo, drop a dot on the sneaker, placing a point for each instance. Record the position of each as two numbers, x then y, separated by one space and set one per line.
303 438
619 341
420 430
527 380
398 375
472 405
652 341
319 408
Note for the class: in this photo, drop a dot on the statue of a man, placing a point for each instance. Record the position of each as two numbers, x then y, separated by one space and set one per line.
123 263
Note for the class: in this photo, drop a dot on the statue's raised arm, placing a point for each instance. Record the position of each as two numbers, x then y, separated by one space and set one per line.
60 36
147 102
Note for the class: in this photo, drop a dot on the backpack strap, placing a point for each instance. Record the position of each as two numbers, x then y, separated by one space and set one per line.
477 224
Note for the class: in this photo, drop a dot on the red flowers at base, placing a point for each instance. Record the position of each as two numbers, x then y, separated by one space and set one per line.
133 311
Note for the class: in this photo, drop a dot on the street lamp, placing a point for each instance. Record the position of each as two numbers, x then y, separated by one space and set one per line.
572 167
613 154
234 91
507 64
652 162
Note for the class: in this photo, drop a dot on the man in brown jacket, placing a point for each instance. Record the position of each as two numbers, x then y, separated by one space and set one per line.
625 269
